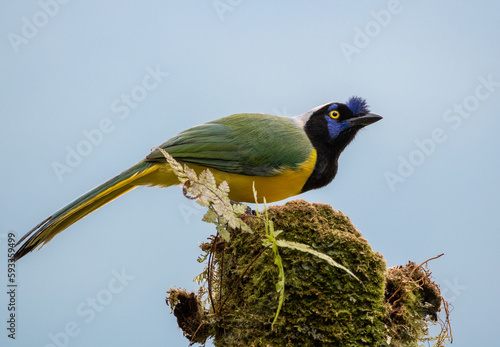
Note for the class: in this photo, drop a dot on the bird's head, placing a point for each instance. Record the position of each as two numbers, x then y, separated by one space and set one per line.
330 128
336 124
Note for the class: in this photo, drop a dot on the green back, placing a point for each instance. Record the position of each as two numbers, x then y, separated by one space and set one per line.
246 143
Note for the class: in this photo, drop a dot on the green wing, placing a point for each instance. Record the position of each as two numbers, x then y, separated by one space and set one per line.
247 144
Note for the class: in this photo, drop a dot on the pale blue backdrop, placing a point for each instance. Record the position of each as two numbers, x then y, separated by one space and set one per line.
87 88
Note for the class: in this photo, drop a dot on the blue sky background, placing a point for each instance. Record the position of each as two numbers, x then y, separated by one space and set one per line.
421 182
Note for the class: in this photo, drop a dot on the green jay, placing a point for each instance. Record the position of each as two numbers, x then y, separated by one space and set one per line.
282 156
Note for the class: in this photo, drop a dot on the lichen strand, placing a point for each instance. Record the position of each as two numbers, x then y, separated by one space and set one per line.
324 306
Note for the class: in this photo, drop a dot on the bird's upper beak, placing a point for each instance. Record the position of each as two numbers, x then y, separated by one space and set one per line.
364 120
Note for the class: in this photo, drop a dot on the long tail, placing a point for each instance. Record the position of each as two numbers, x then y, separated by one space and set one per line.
82 206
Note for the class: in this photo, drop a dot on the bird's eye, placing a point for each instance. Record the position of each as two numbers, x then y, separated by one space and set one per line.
334 114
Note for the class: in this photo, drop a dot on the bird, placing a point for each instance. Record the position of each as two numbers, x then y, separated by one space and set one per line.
281 156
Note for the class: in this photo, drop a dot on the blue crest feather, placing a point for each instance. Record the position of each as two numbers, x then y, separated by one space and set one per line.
357 105
333 107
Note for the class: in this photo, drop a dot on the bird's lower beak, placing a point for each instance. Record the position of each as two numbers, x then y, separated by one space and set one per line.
365 120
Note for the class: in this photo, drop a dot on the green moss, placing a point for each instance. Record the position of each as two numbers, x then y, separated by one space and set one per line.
323 306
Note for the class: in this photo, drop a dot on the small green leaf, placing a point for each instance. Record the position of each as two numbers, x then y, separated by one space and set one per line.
225 234
210 216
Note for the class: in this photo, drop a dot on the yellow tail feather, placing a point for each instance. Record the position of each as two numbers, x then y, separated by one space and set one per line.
79 208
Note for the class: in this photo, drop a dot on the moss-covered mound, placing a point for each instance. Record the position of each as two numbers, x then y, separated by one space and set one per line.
323 305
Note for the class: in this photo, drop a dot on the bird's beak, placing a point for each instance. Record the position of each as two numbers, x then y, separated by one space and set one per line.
364 120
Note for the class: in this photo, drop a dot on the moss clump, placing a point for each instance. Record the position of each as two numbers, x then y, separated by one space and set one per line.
414 301
323 305
190 314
